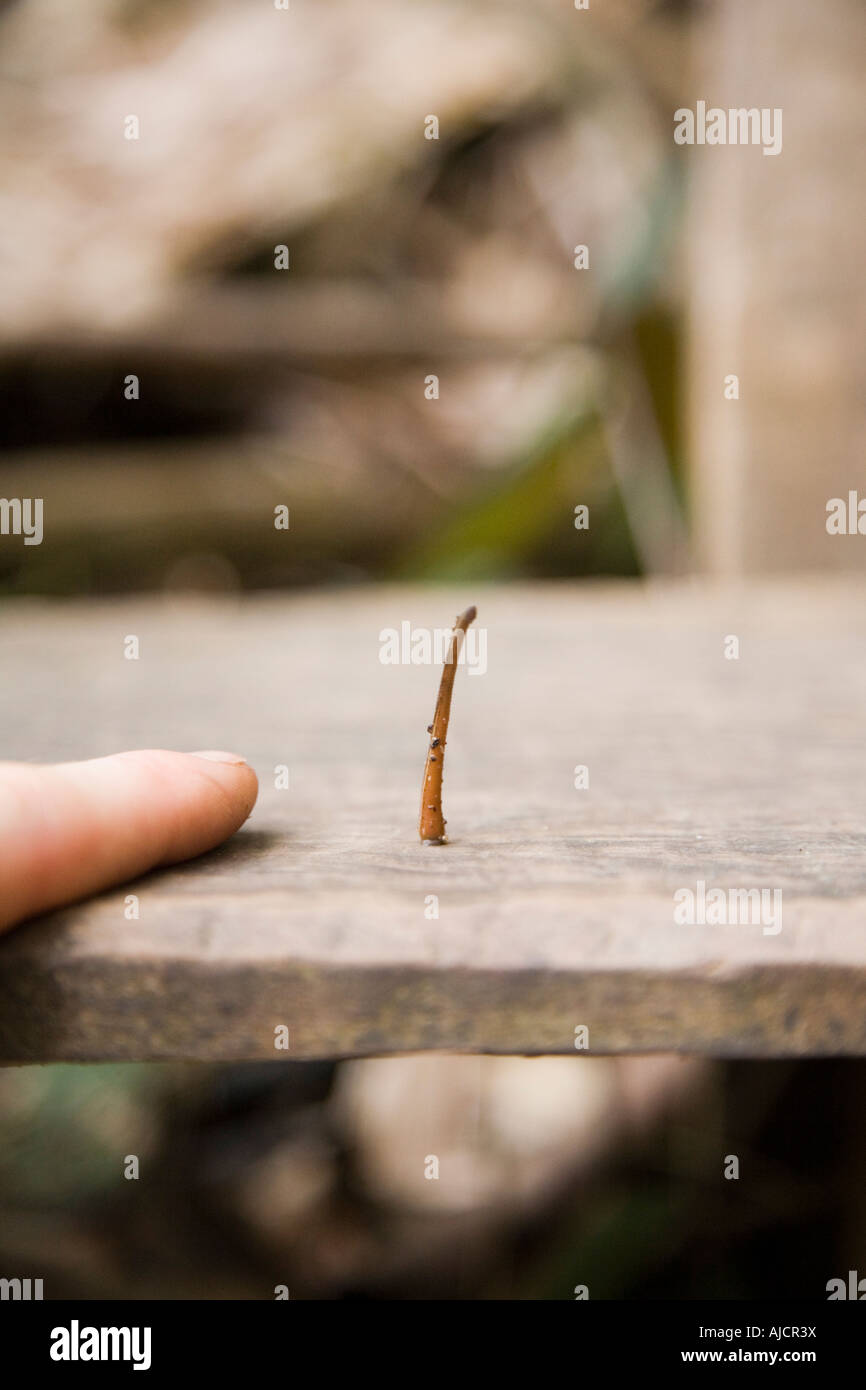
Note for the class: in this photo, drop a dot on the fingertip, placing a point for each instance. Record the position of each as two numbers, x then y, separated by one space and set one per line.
217 789
234 775
70 829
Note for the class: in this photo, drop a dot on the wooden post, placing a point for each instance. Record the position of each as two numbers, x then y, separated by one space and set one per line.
777 291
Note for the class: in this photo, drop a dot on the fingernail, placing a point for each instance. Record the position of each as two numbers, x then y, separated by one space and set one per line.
215 756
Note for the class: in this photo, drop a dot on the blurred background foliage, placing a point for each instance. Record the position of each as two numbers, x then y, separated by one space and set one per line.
311 1175
409 257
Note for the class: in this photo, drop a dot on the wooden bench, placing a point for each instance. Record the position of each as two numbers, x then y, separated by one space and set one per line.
555 903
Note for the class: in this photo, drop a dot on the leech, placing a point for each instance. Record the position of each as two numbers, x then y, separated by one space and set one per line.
431 826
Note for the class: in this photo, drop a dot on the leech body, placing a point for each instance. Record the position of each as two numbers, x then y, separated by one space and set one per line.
431 826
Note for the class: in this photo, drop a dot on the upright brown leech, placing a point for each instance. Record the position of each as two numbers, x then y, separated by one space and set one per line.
431 826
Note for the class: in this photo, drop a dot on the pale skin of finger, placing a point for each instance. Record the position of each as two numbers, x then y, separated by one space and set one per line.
71 829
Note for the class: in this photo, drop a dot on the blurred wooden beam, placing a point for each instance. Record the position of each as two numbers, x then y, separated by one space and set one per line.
249 325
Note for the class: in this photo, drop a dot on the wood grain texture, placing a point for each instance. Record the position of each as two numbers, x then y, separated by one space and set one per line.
555 904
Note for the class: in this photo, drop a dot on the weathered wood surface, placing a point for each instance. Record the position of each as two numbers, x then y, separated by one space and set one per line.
555 904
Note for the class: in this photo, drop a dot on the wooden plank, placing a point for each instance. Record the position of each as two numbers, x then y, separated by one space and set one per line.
555 904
